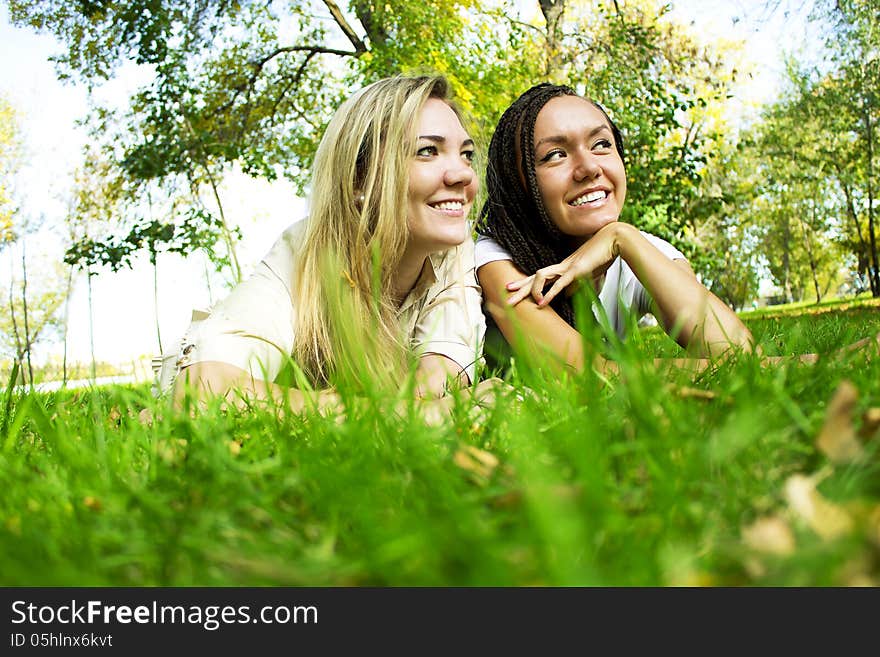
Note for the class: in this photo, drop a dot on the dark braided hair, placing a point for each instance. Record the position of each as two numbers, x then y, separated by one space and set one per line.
514 215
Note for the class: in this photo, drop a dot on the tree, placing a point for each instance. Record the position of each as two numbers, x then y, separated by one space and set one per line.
816 168
854 44
32 311
253 84
9 160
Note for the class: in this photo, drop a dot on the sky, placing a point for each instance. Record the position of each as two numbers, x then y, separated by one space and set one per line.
123 308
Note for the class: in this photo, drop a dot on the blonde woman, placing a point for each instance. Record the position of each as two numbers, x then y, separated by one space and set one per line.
381 269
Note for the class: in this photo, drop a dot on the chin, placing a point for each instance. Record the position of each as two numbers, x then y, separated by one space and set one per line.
455 237
586 229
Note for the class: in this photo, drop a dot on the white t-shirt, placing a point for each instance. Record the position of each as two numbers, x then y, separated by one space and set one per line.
254 327
621 293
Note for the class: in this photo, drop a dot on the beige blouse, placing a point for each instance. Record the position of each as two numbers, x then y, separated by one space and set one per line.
253 328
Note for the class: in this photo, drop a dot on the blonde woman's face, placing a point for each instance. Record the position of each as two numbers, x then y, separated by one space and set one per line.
442 183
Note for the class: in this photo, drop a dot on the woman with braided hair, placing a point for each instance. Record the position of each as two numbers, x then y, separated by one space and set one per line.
556 184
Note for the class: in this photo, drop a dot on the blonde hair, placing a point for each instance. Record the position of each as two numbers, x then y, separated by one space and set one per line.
357 233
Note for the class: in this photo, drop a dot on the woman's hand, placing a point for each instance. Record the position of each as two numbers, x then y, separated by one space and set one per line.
590 261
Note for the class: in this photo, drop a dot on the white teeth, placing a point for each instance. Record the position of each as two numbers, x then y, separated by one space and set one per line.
587 198
449 205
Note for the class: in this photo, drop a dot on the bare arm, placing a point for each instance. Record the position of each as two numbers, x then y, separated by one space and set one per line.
210 379
696 318
436 374
526 325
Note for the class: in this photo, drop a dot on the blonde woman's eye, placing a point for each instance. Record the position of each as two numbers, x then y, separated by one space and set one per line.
427 151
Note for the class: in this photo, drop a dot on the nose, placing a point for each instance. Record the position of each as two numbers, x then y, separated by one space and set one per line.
458 173
587 167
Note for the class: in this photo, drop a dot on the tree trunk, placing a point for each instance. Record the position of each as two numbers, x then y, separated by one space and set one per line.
869 134
227 234
202 160
155 259
91 325
786 263
553 11
24 311
15 334
863 257
808 247
208 281
66 324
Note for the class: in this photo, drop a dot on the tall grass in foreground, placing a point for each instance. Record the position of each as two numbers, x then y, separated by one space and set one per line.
653 478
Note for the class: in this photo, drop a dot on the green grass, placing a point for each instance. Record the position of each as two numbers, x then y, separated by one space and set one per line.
637 482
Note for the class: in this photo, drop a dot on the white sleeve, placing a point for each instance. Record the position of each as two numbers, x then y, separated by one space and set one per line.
488 250
252 328
632 290
664 247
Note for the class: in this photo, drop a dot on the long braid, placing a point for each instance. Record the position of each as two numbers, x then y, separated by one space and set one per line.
514 214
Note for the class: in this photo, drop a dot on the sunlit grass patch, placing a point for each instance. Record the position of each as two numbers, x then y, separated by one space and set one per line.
649 478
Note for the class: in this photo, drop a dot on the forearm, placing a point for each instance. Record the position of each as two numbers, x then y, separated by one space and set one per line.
696 318
436 374
210 380
525 326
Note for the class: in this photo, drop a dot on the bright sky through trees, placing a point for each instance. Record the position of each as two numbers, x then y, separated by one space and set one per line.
123 302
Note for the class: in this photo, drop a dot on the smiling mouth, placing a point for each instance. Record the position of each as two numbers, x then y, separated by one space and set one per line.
448 206
590 197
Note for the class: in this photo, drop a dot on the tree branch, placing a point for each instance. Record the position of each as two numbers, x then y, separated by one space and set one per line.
345 27
312 50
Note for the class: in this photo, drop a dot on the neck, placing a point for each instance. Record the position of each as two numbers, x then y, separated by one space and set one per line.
407 273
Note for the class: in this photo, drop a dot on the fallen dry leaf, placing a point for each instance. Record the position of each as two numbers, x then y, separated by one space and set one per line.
171 450
114 416
514 497
825 518
857 572
145 417
873 526
837 438
770 535
686 392
870 423
476 461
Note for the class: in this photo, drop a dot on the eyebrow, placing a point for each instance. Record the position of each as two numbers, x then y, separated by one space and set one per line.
441 139
561 139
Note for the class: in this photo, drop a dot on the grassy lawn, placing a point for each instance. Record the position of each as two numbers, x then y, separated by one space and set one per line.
743 475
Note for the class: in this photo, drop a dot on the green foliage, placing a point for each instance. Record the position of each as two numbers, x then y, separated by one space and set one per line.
815 183
648 479
46 293
9 161
253 84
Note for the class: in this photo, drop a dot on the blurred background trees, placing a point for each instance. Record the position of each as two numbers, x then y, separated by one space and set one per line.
250 85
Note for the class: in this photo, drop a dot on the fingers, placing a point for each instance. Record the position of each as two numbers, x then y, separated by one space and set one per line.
538 284
558 286
533 286
518 296
521 289
518 285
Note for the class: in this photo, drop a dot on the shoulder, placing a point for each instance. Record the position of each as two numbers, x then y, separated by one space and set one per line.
664 247
282 257
488 250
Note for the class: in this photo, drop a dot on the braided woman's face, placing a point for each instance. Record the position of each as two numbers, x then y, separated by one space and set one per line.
580 175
